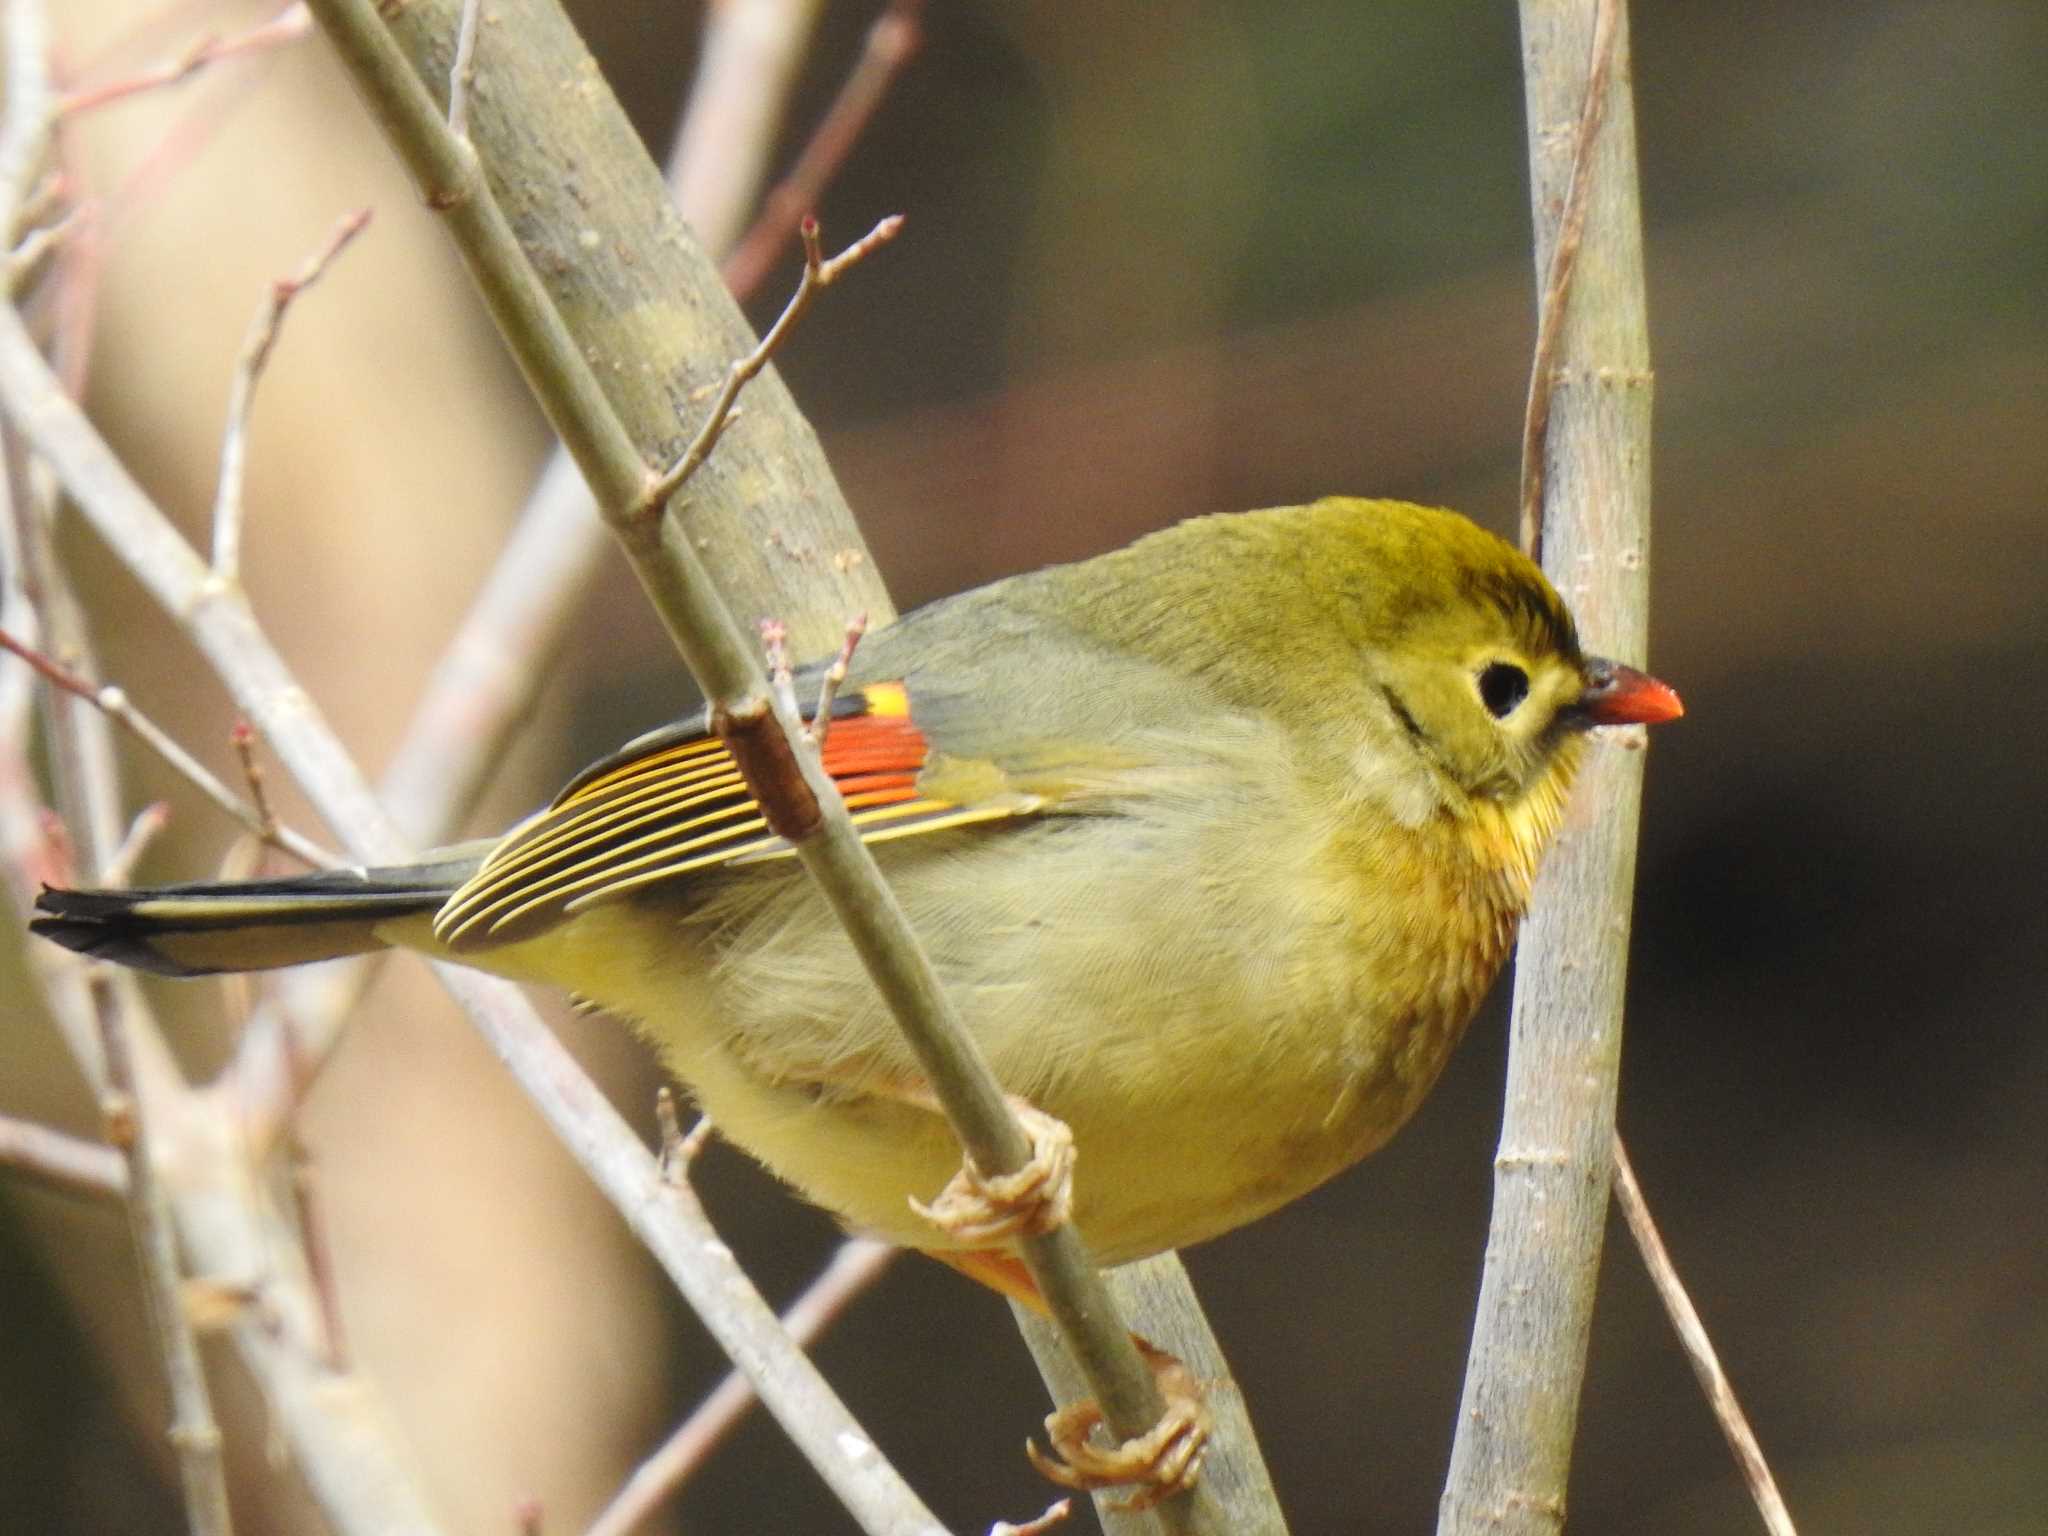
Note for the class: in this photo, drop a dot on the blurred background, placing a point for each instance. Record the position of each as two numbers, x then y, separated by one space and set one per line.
1162 260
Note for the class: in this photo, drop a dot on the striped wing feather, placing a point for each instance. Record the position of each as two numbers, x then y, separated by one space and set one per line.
673 803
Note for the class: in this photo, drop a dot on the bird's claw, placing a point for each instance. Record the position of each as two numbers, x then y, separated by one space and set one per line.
1164 1461
979 1210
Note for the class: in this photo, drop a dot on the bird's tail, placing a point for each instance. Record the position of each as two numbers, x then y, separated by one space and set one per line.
247 925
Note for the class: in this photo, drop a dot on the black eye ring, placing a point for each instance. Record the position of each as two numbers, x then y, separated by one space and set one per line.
1502 687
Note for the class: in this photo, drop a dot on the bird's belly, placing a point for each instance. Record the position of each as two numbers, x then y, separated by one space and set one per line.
1151 1173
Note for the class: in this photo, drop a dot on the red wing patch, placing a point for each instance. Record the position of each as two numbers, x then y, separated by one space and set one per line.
672 803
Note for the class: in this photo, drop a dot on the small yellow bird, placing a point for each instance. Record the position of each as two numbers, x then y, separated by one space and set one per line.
1218 841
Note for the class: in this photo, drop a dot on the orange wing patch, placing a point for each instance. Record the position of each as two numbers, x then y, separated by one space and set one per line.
673 803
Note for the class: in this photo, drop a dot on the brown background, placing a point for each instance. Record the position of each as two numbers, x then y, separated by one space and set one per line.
1162 260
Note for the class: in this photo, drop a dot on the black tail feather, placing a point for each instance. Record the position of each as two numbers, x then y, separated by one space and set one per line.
204 928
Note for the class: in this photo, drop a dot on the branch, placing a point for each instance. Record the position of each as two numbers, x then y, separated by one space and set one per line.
1557 283
262 336
600 231
63 1162
1512 1453
667 562
115 705
288 25
818 273
856 1265
194 1434
1699 1349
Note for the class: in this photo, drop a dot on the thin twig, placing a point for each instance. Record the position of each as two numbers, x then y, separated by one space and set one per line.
115 705
262 335
36 247
43 200
679 1148
142 831
775 652
243 739
854 1267
835 675
818 274
460 71
194 1433
66 1163
1557 282
1699 1349
319 1259
892 42
288 25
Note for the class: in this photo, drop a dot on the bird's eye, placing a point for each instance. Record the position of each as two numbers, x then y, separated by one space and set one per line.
1502 686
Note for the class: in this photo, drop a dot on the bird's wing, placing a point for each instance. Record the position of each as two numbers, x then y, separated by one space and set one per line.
672 803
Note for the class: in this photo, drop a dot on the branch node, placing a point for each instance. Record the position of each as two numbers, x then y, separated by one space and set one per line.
767 762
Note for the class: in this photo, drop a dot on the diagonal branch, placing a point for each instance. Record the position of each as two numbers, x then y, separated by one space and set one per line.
1699 1349
665 559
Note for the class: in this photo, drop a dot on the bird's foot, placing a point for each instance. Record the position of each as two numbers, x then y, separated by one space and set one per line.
980 1210
1164 1461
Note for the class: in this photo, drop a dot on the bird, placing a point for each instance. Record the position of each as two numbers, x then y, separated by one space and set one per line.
1217 842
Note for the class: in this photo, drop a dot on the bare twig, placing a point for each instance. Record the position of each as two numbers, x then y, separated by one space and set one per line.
319 1259
679 1148
854 1267
36 247
775 652
461 71
194 1434
835 675
149 821
256 346
288 25
891 43
63 1162
1557 281
115 705
51 192
243 739
1699 1349
818 274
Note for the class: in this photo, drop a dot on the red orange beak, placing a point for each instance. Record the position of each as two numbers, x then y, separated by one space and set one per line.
1619 695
